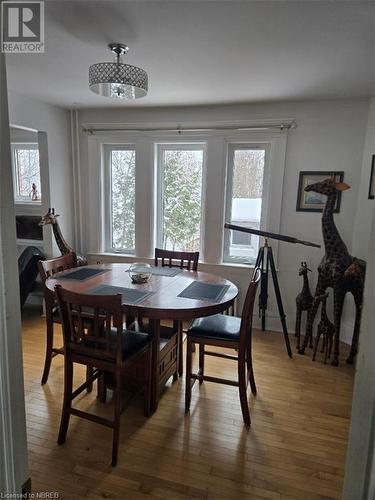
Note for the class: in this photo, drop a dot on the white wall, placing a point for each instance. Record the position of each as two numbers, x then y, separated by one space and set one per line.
55 122
361 452
365 209
22 135
329 136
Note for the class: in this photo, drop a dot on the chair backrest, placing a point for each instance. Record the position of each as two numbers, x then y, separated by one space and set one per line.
183 260
48 268
248 308
92 324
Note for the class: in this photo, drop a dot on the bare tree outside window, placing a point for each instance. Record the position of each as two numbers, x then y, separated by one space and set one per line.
26 173
181 199
247 171
123 199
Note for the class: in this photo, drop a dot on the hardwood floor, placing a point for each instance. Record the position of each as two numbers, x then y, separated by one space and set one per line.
295 448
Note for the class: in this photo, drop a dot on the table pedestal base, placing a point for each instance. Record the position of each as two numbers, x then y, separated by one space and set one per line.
165 349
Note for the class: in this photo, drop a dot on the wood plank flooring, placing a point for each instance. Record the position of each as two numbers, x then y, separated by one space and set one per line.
295 448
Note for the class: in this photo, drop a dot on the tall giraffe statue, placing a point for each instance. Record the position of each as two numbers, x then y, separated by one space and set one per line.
51 218
338 270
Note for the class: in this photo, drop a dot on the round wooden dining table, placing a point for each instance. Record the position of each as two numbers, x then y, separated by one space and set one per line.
161 301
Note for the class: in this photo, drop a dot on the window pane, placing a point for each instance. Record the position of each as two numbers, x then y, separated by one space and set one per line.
123 199
27 173
246 202
182 199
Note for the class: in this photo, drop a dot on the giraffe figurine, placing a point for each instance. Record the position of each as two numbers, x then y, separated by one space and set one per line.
338 270
303 300
325 328
51 218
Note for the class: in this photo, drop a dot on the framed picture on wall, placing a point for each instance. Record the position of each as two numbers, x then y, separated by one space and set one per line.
371 189
308 201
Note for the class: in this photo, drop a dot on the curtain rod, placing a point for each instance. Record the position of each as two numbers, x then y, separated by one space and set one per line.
179 130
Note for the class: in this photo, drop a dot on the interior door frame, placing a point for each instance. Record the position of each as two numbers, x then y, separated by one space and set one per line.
13 442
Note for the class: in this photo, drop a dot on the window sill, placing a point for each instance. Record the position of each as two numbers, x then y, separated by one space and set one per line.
28 203
111 256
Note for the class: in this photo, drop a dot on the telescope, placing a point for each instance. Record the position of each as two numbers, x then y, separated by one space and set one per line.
265 261
267 234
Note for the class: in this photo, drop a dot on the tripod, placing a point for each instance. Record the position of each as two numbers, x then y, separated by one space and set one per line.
266 262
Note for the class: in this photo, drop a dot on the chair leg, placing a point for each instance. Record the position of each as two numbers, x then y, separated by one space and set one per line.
129 322
242 390
148 386
116 427
250 371
180 348
201 362
232 309
140 322
89 374
49 347
102 390
188 374
67 403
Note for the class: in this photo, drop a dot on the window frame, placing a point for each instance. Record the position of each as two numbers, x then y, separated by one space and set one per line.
231 148
215 143
22 200
159 148
107 197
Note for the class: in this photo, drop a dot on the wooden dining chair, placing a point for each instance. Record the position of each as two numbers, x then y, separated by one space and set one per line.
48 268
229 332
94 336
182 260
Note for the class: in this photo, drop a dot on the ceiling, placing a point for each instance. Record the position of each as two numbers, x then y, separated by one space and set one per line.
205 52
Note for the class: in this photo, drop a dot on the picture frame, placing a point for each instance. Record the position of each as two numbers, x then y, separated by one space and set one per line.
371 188
315 202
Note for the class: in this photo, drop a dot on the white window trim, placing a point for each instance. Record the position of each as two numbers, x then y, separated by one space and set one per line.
107 195
160 147
275 145
24 200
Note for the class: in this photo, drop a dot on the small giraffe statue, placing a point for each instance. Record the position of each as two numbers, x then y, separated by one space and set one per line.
325 328
51 218
338 270
304 300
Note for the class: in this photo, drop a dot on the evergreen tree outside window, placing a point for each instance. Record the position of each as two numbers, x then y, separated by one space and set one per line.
121 206
180 176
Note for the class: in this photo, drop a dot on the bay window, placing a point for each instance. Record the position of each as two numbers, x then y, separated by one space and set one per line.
181 192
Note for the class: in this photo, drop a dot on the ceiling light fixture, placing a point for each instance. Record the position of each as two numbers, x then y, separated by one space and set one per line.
116 79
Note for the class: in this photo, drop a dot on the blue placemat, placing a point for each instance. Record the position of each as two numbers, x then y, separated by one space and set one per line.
82 274
166 271
129 295
160 271
204 291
